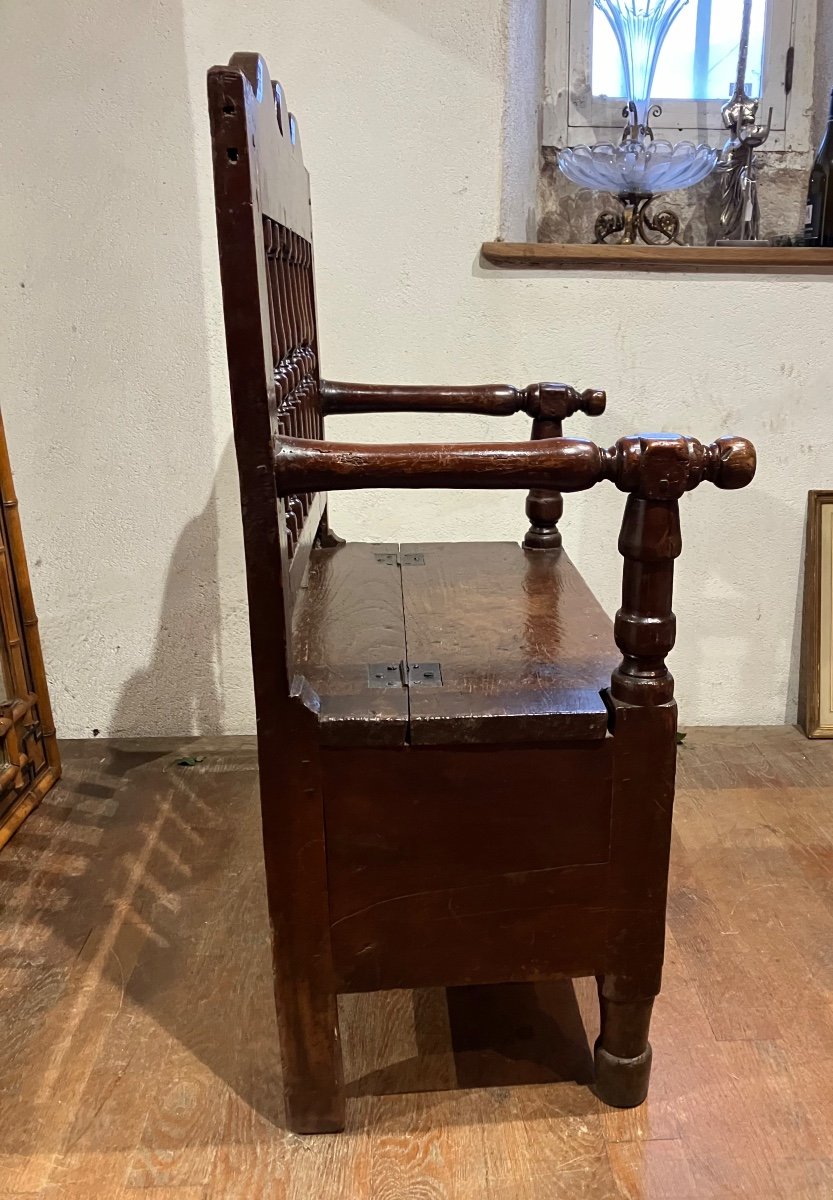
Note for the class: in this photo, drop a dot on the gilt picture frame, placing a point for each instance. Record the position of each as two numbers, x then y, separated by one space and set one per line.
815 695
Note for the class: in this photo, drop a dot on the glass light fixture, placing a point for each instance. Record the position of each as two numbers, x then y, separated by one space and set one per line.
639 167
640 29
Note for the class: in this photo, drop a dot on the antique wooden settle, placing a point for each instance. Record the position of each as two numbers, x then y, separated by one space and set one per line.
458 784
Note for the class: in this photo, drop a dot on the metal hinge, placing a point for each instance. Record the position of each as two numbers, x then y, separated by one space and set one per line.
789 70
425 675
401 560
396 675
385 675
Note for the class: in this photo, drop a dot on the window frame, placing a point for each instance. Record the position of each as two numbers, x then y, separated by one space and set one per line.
573 115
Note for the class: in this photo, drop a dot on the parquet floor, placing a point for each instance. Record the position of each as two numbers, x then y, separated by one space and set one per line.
138 1049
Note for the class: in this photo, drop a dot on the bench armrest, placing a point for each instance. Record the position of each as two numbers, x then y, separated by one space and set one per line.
652 466
542 401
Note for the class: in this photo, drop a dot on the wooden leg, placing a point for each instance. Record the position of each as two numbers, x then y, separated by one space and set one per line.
296 886
644 723
313 1084
623 1052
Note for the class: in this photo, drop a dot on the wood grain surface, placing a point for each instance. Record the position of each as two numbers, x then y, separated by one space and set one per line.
551 647
347 616
549 642
799 260
139 1053
455 866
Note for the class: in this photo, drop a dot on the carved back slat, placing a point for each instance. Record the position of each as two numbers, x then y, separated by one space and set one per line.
265 237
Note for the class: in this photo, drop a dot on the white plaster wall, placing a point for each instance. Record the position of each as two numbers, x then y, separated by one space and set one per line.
114 388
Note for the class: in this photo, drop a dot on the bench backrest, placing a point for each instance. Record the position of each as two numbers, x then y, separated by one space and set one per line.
264 230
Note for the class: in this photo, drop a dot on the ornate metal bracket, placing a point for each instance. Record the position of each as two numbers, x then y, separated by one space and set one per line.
635 224
634 131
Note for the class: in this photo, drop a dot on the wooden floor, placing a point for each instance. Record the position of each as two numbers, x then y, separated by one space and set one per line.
138 1053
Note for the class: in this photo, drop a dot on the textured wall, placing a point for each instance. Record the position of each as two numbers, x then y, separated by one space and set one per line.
114 382
567 213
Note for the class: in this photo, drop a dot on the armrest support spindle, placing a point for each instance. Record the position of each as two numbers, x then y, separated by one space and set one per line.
553 401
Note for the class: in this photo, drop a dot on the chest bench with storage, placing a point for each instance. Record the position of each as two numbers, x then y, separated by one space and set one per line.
459 785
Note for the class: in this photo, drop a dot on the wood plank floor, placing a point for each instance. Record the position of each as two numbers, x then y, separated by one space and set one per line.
138 1055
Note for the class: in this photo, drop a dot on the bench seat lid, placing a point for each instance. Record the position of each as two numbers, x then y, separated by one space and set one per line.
523 647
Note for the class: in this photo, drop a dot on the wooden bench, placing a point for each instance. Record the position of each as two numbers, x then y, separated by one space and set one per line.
459 784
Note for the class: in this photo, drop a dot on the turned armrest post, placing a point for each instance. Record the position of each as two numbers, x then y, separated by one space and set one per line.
645 626
544 508
657 470
549 404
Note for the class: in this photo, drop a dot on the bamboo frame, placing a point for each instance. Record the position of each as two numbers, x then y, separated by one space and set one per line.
31 763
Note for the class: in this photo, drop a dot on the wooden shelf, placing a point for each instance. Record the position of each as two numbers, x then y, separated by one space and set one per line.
549 256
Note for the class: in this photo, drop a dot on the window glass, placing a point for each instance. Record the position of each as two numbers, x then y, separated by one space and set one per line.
700 57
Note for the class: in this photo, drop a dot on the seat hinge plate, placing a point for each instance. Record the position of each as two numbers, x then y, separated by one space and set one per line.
400 560
424 674
385 675
397 675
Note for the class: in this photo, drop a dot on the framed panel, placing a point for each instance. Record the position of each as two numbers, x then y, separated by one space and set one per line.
29 761
815 697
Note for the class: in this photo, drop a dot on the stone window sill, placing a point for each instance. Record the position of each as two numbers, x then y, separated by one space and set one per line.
549 256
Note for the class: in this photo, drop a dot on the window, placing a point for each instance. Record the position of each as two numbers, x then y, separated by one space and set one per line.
695 74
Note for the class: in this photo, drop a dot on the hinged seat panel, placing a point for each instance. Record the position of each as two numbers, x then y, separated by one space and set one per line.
452 644
347 619
523 644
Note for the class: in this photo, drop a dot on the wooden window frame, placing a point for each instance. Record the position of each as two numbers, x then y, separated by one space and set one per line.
572 115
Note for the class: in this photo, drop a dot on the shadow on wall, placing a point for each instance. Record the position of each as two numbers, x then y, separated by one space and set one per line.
180 691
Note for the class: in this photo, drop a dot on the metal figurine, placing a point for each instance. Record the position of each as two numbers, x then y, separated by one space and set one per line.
741 213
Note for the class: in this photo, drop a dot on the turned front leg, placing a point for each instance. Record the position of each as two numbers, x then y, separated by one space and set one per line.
623 1054
643 722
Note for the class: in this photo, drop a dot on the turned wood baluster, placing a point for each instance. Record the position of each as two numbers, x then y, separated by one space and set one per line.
289 242
271 288
288 306
306 357
309 285
657 471
283 379
549 404
645 626
297 505
284 375
544 508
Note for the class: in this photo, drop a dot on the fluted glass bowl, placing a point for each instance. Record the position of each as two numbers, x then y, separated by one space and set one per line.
637 168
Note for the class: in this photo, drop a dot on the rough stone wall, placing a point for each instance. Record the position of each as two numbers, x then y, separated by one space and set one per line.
567 213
